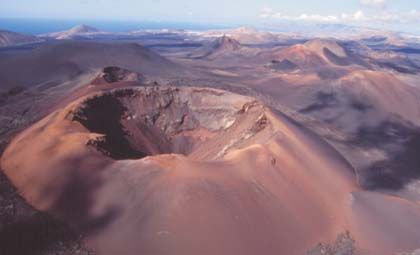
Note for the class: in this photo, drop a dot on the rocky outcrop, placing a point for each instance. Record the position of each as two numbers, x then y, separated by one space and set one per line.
112 74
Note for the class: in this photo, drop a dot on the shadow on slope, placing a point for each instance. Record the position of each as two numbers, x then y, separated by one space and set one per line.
25 231
401 143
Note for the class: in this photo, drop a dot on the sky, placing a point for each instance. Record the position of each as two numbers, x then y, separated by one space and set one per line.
401 15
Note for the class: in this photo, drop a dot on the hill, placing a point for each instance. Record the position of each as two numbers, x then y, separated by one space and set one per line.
9 38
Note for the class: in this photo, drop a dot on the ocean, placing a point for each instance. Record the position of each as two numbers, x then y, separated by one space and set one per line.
43 26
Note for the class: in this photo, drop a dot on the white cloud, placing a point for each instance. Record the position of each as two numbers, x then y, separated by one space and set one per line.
414 13
382 16
359 15
317 18
374 3
270 13
266 12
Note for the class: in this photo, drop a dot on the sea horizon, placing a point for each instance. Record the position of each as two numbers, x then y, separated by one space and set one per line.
38 26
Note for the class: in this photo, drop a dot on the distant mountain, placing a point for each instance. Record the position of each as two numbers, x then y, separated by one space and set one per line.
313 55
321 45
386 38
225 43
334 52
8 38
220 46
75 32
247 35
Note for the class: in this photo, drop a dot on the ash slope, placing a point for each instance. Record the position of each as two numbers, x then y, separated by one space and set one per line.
203 171
60 62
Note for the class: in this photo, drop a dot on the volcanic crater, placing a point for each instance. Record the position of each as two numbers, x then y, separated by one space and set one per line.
154 169
140 122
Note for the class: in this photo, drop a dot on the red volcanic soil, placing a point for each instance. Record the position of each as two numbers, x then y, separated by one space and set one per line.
163 170
316 55
302 55
298 55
